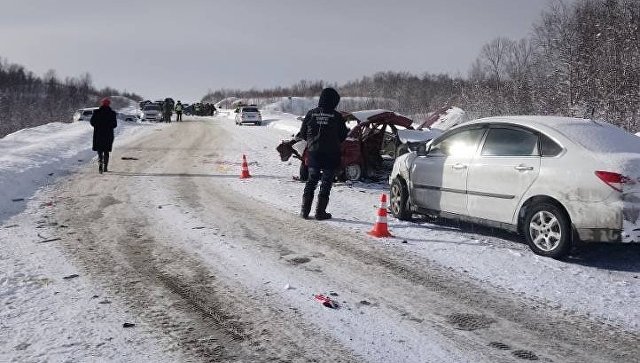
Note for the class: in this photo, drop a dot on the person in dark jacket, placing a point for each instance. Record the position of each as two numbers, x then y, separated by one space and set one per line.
324 130
168 111
103 121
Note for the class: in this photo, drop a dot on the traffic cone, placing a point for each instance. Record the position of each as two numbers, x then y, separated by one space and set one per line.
380 227
245 168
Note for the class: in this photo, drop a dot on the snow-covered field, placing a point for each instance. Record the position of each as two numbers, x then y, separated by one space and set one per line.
43 303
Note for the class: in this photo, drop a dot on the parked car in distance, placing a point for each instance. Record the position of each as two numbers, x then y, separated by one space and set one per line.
556 180
248 115
152 112
126 118
83 114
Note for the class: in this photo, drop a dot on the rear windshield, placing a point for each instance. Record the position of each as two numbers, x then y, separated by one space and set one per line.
250 109
87 113
601 137
151 108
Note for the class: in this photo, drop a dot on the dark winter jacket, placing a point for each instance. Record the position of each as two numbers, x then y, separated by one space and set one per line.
103 122
324 130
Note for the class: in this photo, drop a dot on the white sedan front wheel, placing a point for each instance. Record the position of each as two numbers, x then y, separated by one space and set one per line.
399 200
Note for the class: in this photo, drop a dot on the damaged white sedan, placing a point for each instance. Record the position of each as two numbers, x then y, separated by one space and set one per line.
556 180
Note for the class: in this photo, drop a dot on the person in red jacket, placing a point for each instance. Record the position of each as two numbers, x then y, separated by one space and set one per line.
103 121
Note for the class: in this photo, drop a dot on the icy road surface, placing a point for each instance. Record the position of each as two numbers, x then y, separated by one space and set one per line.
212 268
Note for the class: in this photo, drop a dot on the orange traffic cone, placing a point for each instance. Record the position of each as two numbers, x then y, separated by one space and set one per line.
380 227
245 168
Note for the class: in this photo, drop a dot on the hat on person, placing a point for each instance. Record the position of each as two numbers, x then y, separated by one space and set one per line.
329 99
105 102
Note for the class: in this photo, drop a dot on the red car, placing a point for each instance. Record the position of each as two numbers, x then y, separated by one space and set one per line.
373 136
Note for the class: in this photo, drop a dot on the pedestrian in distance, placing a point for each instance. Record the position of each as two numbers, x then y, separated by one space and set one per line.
168 110
103 122
324 130
178 110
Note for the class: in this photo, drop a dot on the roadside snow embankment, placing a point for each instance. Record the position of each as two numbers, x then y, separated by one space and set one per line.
35 157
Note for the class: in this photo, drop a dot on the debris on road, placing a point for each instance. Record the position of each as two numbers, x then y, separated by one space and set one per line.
17 200
128 158
50 240
128 325
73 276
326 301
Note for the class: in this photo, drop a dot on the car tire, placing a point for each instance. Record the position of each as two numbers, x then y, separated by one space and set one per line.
547 229
353 172
399 200
258 123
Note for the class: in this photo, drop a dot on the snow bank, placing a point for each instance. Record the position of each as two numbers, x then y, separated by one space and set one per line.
35 157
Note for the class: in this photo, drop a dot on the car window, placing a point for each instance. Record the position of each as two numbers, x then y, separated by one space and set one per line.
549 147
151 108
250 109
87 113
510 142
460 144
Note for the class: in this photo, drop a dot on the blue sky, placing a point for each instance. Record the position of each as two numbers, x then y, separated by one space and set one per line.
183 48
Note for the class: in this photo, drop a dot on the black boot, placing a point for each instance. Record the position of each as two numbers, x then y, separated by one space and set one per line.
106 162
306 206
321 207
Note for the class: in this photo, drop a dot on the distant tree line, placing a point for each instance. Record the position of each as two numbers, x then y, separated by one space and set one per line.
582 59
303 88
27 100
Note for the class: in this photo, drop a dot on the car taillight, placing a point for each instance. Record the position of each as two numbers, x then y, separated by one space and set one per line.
614 180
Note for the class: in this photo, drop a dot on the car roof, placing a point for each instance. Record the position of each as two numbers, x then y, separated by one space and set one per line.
552 122
598 136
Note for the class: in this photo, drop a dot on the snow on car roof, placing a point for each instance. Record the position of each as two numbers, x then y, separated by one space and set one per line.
380 115
365 114
598 136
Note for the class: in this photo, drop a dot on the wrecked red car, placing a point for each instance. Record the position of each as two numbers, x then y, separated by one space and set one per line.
371 140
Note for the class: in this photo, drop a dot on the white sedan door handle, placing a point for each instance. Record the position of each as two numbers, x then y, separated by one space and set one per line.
459 166
523 167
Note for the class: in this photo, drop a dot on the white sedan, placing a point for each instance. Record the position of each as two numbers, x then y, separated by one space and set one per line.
556 180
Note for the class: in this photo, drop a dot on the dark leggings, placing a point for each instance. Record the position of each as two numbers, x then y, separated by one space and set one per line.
325 177
103 157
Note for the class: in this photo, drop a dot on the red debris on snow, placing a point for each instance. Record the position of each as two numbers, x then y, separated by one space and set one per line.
326 301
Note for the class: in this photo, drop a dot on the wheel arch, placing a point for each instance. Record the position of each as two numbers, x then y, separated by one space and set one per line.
541 199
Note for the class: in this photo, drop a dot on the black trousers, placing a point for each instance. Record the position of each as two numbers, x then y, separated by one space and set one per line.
178 116
325 177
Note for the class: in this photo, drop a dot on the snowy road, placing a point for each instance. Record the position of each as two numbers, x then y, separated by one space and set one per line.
209 271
